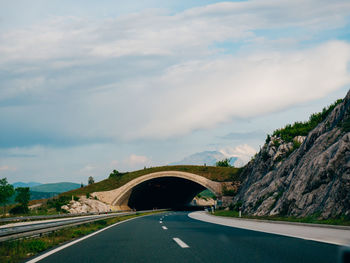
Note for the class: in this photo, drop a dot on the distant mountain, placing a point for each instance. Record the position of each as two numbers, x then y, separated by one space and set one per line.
55 187
29 184
207 157
42 195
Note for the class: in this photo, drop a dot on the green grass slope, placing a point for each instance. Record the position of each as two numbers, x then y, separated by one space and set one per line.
55 187
220 174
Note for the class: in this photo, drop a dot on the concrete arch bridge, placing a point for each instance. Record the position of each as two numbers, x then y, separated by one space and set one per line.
167 189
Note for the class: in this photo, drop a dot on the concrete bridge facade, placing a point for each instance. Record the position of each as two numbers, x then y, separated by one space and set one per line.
159 190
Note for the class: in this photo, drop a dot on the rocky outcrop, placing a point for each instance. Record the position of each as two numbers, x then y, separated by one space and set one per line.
86 205
308 176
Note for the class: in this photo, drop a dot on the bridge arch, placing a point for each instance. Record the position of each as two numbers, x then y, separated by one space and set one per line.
163 184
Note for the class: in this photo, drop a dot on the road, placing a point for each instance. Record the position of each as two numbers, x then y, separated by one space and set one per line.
175 237
23 229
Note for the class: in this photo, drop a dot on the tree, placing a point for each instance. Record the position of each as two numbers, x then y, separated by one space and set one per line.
224 163
22 197
6 191
91 180
115 173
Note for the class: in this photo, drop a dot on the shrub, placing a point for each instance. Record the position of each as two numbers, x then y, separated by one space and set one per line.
37 246
228 192
265 156
58 202
19 209
224 163
303 128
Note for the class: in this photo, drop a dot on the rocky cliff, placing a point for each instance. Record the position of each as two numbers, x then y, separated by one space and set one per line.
308 176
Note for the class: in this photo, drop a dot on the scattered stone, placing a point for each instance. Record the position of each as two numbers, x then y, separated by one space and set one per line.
86 205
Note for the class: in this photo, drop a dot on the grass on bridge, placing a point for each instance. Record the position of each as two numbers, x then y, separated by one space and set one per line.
219 174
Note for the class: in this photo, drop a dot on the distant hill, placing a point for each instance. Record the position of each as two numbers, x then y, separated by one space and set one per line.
29 184
207 157
42 195
55 187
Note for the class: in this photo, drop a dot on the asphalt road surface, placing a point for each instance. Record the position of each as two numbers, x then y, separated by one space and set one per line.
174 237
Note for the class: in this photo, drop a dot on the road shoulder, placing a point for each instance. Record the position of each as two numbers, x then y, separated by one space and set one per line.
330 235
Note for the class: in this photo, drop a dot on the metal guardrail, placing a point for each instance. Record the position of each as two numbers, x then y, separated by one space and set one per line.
37 228
40 217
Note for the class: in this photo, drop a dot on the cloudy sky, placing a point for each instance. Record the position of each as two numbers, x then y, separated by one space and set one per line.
90 86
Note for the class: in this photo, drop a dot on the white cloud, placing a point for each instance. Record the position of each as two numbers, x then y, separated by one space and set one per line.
134 159
132 162
155 75
88 168
201 94
244 153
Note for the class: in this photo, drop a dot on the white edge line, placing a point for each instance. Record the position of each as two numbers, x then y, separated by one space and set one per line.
180 242
78 240
334 242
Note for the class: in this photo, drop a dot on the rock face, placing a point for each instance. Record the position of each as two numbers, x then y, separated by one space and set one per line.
310 176
86 205
204 201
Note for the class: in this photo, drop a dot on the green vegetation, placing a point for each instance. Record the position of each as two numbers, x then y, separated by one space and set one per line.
224 163
22 197
228 192
220 174
313 219
58 202
91 180
115 173
6 191
303 128
206 194
18 250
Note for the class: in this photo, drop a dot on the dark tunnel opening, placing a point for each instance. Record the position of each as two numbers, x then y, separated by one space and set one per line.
164 192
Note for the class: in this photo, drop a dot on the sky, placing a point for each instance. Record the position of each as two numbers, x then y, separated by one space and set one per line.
91 86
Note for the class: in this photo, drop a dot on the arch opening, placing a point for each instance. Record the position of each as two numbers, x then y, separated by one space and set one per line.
164 192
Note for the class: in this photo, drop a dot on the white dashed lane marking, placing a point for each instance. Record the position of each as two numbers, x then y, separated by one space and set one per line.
180 242
164 227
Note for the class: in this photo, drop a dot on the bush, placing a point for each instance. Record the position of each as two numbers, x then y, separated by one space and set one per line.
102 222
236 206
265 156
224 163
19 209
117 174
303 128
58 202
37 246
227 192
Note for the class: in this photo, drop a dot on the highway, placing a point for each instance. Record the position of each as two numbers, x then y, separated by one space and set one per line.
175 237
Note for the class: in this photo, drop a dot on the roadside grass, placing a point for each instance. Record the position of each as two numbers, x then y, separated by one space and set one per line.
313 219
220 174
21 249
